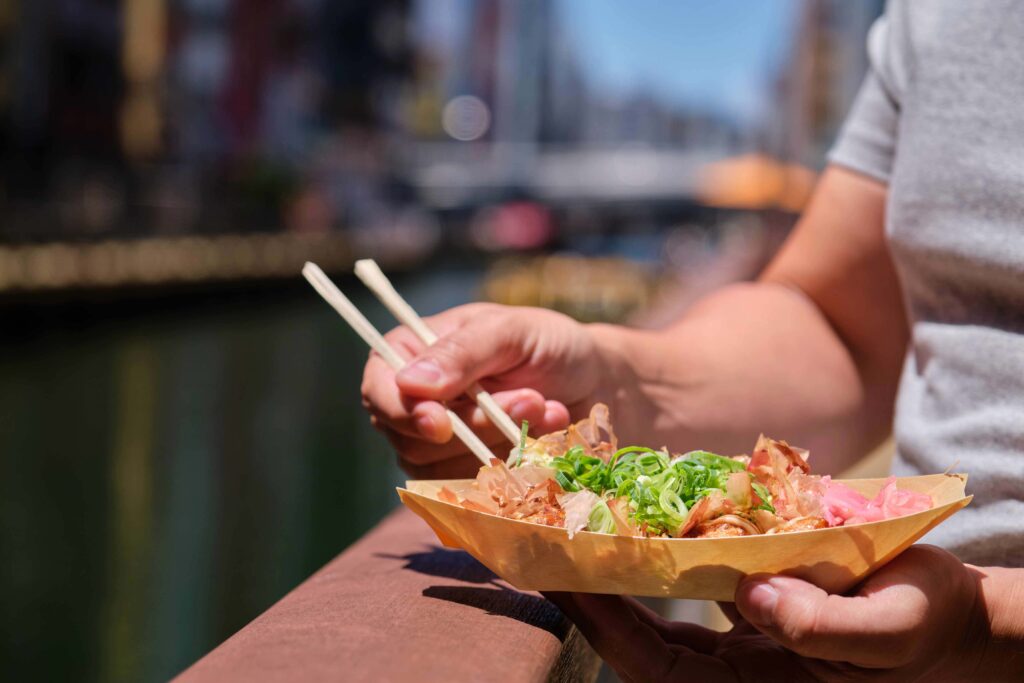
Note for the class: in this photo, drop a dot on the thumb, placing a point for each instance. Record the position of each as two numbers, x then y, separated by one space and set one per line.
481 347
863 630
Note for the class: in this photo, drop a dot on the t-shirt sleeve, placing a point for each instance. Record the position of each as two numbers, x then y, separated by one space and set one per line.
867 139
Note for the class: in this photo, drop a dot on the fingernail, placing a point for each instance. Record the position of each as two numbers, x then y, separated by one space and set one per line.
761 601
425 425
520 409
424 371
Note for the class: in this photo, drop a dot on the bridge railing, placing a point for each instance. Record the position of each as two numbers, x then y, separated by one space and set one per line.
396 606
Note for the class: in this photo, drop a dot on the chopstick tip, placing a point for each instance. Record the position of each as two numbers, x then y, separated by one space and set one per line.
366 265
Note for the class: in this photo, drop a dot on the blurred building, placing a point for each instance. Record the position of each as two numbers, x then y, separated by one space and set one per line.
822 74
147 116
356 121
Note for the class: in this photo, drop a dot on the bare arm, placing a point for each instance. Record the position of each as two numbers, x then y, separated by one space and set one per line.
810 353
996 637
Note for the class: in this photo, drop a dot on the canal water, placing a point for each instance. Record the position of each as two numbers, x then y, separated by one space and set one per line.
167 474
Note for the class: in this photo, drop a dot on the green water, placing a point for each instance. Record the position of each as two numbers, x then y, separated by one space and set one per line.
166 476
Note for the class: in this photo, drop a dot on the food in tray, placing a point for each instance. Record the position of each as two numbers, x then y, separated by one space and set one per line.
580 479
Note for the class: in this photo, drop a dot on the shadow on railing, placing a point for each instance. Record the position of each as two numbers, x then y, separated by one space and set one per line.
396 607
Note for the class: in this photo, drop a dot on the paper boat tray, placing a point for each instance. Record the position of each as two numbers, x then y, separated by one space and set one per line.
537 557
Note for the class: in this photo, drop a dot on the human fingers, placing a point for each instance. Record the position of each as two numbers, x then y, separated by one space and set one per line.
634 649
428 419
387 406
877 631
522 405
482 345
693 636
542 416
627 636
381 394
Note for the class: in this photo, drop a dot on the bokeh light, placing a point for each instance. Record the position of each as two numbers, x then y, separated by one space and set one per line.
466 118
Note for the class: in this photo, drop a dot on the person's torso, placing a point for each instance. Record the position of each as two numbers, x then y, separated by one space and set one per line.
956 228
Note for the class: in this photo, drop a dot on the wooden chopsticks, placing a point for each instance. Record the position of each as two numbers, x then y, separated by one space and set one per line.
369 273
374 278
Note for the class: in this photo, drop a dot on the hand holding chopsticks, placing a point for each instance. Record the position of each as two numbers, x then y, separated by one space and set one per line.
371 275
373 338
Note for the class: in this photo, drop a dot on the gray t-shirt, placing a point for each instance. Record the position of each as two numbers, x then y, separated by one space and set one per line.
940 119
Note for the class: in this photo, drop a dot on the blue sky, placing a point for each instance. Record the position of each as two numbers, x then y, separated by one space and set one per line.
720 53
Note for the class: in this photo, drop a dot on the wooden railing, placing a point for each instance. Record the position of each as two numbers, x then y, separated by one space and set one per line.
396 606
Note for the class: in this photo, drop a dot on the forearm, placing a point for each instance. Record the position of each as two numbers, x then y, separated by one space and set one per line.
995 645
810 354
750 358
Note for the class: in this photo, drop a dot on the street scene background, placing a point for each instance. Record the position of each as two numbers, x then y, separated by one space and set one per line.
181 436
